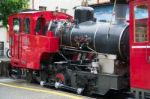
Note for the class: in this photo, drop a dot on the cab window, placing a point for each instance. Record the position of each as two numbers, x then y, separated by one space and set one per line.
141 23
40 24
16 25
26 25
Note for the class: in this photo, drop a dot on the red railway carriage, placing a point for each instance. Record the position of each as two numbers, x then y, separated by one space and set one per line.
140 48
31 39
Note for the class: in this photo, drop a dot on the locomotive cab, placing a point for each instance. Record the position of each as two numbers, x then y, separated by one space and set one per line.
30 40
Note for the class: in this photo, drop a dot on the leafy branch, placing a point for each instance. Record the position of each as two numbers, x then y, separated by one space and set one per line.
8 7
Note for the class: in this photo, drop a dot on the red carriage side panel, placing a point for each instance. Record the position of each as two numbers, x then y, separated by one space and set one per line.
140 47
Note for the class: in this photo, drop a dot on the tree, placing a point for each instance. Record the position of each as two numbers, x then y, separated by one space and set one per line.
8 7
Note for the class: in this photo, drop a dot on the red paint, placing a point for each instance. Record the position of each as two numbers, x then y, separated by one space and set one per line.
60 77
139 66
28 49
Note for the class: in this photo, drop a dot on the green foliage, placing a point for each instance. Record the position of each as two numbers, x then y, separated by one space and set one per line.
8 7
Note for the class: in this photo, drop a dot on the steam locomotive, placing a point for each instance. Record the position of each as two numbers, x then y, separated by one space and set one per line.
80 55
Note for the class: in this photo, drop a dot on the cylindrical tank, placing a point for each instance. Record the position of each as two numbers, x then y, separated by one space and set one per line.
103 38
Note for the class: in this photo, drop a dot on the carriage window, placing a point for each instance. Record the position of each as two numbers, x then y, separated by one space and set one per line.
27 25
141 24
16 25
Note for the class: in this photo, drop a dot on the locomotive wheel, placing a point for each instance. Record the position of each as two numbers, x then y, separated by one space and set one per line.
60 78
29 77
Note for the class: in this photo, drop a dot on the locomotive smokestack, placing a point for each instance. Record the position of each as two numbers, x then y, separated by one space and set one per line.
120 12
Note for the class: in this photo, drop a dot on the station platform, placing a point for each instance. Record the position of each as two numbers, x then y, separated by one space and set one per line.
19 89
